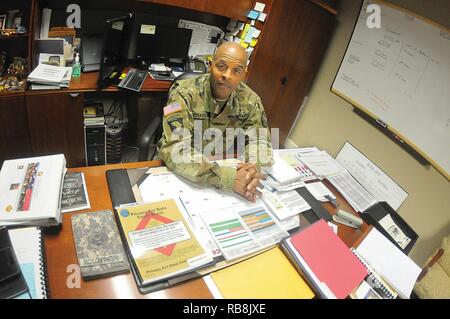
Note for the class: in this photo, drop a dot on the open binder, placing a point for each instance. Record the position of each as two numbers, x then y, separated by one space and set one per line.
391 271
29 249
123 189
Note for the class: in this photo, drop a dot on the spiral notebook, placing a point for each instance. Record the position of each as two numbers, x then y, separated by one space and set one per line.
29 249
378 284
387 261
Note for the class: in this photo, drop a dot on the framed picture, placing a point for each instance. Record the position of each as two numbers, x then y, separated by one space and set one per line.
2 21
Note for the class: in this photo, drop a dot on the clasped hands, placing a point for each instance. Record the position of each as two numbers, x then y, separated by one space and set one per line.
247 180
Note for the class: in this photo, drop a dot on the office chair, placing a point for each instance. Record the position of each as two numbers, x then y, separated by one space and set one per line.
148 143
434 280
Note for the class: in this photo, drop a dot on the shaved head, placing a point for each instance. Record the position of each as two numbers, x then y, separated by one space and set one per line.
228 69
232 49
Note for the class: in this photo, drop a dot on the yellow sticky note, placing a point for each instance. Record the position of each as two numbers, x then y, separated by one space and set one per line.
244 44
244 32
253 43
267 275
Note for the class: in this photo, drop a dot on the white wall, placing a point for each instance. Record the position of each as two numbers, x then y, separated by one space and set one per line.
327 121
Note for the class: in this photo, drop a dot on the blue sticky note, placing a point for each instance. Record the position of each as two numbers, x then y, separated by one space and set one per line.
249 35
253 14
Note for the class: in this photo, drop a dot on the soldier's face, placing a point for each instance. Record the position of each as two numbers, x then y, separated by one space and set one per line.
227 71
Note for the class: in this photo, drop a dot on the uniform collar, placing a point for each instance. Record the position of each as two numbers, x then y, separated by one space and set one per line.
232 101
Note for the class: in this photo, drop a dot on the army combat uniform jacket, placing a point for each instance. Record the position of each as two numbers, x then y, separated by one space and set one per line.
192 109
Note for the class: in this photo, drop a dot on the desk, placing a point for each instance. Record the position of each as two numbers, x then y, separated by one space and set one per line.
87 82
60 248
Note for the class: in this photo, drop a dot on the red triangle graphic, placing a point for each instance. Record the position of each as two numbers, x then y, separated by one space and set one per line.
166 250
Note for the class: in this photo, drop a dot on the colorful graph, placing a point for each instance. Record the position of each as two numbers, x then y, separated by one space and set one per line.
230 233
257 219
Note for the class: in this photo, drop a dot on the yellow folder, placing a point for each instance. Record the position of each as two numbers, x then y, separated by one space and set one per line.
268 275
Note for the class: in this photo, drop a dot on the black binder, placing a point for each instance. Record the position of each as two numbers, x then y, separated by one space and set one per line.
376 212
120 183
12 282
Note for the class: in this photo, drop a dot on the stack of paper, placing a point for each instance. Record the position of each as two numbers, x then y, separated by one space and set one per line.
321 163
325 260
281 176
31 190
389 262
47 77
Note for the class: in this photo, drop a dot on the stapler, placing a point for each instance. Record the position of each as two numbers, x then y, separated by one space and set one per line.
345 218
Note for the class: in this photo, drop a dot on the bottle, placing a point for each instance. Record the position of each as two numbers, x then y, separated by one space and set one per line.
76 67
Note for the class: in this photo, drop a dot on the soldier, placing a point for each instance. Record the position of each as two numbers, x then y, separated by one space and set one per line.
215 104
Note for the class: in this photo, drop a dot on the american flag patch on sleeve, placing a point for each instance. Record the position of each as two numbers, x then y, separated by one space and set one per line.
172 108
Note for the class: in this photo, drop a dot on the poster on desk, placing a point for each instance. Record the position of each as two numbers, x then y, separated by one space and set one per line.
161 243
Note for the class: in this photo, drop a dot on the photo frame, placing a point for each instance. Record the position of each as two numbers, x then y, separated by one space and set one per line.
2 21
16 20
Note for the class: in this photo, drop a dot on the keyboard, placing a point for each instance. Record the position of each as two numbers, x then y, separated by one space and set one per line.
133 80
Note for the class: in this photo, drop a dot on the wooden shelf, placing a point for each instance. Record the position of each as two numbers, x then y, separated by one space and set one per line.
15 36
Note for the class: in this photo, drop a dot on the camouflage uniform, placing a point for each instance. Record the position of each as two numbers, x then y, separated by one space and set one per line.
192 100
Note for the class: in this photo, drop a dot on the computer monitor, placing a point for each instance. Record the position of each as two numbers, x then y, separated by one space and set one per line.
114 45
163 42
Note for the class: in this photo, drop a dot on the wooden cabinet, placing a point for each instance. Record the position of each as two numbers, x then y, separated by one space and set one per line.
198 5
14 134
288 56
56 125
231 9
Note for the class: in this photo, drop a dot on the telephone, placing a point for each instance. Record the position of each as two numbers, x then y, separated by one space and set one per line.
195 65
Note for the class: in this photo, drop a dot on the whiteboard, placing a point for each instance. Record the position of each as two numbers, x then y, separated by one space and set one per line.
399 74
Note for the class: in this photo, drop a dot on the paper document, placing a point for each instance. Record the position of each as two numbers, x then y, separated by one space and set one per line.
290 157
281 171
321 163
284 204
373 179
353 192
243 229
319 191
389 262
204 37
48 73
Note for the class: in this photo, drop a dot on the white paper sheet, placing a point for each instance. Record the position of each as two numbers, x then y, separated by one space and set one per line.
389 262
373 179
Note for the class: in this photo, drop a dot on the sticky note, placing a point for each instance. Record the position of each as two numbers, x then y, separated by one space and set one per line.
244 44
262 17
252 22
256 33
148 29
249 36
244 32
253 43
259 6
253 14
118 25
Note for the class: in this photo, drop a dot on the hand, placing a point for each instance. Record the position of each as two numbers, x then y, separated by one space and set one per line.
247 179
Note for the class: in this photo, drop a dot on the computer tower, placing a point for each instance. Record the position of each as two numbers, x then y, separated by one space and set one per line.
95 141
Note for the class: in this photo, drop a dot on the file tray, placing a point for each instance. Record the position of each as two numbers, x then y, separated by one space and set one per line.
375 213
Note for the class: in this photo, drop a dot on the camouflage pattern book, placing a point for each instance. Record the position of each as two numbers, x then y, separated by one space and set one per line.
98 245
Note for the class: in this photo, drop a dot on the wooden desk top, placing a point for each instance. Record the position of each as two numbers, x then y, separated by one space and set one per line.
60 249
87 82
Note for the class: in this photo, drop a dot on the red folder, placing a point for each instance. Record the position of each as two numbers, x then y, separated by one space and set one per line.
329 258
